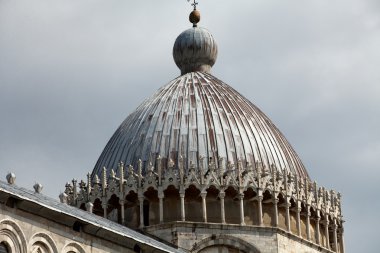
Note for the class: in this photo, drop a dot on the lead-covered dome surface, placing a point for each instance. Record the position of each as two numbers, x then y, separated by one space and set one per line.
198 117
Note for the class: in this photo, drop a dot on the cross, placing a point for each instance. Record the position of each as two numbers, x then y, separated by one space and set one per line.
194 4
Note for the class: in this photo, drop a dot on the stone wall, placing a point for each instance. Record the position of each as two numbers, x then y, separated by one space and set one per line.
24 232
209 238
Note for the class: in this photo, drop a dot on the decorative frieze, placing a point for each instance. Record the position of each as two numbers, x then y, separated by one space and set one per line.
310 202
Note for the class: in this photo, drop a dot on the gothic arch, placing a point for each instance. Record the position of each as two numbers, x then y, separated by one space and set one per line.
12 236
73 247
43 241
225 240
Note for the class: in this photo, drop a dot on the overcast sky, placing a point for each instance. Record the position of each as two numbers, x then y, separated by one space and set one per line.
72 70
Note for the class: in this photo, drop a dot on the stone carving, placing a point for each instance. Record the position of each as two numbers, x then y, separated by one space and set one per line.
240 177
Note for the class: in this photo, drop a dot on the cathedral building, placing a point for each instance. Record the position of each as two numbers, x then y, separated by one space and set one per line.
195 168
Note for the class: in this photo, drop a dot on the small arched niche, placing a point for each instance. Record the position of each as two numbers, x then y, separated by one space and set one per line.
131 210
172 204
193 204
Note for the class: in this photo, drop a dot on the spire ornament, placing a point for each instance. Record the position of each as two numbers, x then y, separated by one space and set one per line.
195 15
194 4
195 50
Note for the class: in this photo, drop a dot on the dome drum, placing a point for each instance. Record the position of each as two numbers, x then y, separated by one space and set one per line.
256 195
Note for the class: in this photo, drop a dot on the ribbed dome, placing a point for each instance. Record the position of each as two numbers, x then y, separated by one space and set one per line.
196 115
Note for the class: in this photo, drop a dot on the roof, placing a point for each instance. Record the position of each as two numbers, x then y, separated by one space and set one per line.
63 213
198 117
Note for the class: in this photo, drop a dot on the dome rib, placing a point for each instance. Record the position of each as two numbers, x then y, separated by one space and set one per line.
232 127
221 144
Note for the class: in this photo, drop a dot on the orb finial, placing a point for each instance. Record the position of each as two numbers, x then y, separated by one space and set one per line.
195 49
11 178
195 15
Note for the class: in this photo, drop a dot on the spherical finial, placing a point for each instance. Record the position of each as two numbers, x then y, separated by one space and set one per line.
38 188
63 198
195 50
195 17
89 207
11 178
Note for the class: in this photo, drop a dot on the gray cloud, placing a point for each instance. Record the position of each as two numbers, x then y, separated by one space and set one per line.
71 71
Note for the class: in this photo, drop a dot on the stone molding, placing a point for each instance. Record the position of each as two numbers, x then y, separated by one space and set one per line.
12 235
225 240
73 247
240 177
43 240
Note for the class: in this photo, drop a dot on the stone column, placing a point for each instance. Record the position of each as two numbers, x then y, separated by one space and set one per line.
317 221
327 232
287 214
182 196
298 219
204 207
275 210
335 235
104 206
122 215
141 203
341 231
222 212
260 210
161 206
308 222
241 198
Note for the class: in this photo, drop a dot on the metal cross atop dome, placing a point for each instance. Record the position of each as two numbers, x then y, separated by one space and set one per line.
194 4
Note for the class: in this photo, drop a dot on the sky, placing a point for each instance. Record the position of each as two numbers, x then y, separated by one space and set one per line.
72 70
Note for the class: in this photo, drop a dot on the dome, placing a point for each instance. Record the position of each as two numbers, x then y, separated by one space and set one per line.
199 118
195 50
199 155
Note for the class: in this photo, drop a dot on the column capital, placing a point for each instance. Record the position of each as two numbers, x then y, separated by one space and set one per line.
140 193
